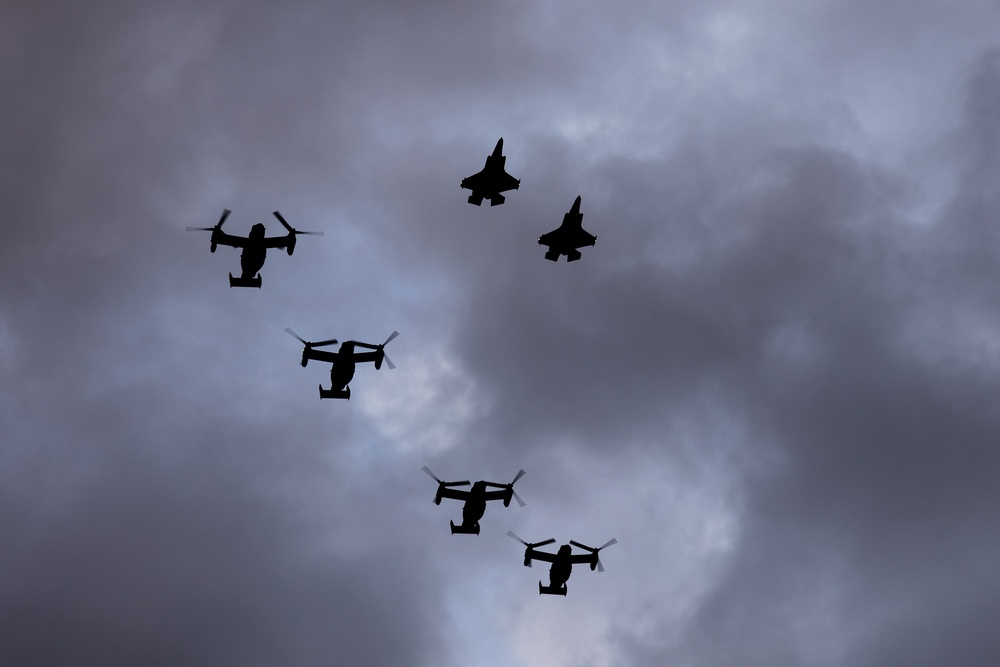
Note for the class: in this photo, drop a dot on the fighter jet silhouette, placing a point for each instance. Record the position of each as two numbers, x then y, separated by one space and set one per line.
492 180
568 237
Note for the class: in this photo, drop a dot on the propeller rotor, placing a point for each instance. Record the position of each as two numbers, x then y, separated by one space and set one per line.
381 350
442 483
292 230
510 485
225 214
600 567
530 545
322 343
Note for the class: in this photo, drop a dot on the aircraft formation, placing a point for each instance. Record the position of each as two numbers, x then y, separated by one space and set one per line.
566 240
488 183
475 507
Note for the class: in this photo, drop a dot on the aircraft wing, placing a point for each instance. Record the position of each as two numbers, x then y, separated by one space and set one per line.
455 494
567 239
324 356
494 495
219 237
362 357
477 181
550 239
490 181
543 556
505 181
279 241
577 559
582 238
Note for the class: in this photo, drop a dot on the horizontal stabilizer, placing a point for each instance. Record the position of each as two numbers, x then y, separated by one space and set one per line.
463 529
334 393
551 590
245 282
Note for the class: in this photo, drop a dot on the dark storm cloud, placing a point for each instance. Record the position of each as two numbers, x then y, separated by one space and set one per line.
186 567
156 509
622 345
877 525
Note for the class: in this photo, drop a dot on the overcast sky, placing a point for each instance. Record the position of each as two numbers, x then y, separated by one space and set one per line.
774 379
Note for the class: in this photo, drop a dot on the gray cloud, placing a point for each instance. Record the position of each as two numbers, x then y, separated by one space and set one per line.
771 379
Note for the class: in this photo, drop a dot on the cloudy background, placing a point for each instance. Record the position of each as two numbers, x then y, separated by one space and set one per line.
774 379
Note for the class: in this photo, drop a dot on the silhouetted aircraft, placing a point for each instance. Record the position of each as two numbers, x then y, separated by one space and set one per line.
343 361
254 247
562 561
568 237
475 499
492 180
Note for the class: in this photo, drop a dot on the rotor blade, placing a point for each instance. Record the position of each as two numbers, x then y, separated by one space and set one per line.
608 543
464 482
200 229
600 566
292 230
519 475
520 502
510 533
388 361
288 330
531 545
391 336
225 214
284 223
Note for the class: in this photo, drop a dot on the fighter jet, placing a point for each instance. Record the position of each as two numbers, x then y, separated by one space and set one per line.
492 180
568 237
